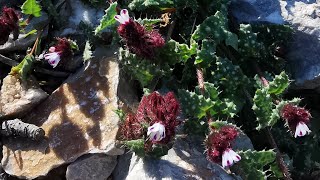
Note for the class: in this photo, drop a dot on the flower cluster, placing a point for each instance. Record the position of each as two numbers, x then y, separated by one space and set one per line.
8 23
61 51
296 119
137 38
159 112
218 146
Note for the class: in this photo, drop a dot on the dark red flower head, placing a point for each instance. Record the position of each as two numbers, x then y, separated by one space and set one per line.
293 115
63 47
137 38
219 141
131 128
8 23
155 108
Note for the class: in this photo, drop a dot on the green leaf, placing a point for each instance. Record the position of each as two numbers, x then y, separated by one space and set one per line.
206 54
108 19
87 53
136 146
174 52
263 108
31 7
30 33
193 104
24 67
252 163
141 5
248 43
216 27
279 84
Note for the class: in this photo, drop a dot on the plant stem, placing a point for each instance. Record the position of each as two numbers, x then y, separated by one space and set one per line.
280 161
283 167
202 90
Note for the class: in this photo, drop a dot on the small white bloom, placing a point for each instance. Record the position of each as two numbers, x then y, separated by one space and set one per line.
301 130
52 49
229 157
53 58
156 132
123 18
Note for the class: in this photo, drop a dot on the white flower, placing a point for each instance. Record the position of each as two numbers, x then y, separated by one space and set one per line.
156 132
53 58
123 18
229 157
301 130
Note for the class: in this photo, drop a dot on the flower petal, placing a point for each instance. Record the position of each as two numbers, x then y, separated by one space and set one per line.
125 15
53 59
301 130
119 19
229 157
156 132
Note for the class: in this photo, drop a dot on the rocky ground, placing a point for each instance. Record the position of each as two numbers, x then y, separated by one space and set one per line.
76 106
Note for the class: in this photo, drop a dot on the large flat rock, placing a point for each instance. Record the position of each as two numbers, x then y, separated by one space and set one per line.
78 118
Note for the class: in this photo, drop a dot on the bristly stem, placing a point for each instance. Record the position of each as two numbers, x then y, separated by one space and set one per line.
283 167
280 161
202 90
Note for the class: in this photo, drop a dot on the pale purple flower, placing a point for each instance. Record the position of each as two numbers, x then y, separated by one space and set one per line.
301 129
123 18
156 132
53 58
229 157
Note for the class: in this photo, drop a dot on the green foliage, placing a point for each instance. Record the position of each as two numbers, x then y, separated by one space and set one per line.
263 108
108 19
31 7
216 28
249 46
142 70
140 5
253 162
174 52
148 23
136 146
206 54
279 84
30 33
47 4
87 53
24 67
193 104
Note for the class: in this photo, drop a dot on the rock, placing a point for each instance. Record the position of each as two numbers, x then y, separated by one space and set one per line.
23 42
18 97
93 166
75 63
304 16
186 160
78 118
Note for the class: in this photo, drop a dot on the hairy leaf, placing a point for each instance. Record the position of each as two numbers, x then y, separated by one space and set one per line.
108 19
206 54
249 46
253 162
141 5
24 67
216 27
87 53
136 146
279 84
31 7
263 108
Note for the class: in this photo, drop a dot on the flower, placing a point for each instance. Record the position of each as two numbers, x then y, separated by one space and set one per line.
301 130
137 38
53 58
131 128
229 157
156 108
156 132
296 119
218 145
8 23
61 51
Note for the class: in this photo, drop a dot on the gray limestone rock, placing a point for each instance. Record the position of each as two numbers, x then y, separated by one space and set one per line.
304 16
186 160
93 166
